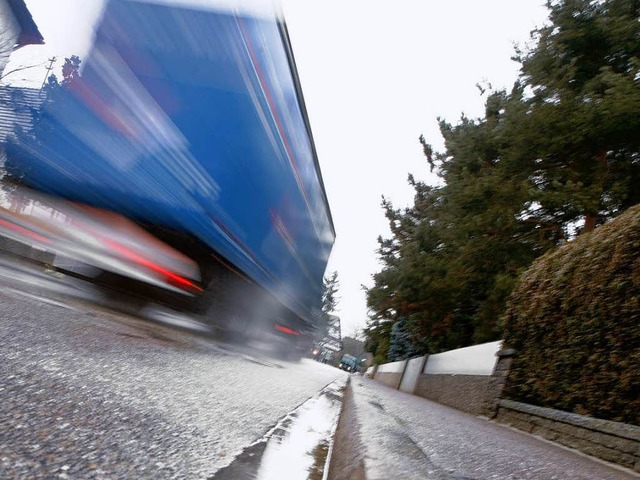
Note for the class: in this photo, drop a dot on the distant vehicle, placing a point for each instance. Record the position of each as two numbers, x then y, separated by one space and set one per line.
349 363
191 122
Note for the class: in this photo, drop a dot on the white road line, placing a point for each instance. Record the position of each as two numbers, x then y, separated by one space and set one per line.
40 298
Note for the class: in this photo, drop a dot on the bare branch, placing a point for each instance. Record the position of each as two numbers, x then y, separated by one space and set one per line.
19 69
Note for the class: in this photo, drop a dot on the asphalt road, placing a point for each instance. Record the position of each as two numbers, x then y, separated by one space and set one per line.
87 392
432 441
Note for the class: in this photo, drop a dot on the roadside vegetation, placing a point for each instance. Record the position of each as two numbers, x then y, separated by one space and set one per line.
574 320
552 159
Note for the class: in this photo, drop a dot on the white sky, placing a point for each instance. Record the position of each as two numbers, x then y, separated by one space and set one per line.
375 75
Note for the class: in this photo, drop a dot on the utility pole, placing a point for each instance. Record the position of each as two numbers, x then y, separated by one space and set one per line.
52 60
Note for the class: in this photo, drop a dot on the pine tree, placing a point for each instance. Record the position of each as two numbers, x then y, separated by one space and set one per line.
330 286
401 346
556 155
576 131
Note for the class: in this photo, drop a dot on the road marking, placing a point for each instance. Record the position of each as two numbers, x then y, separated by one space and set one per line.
41 299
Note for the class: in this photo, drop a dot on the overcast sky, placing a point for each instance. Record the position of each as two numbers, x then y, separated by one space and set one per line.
375 75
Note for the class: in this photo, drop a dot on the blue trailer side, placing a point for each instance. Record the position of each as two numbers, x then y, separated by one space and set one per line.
193 121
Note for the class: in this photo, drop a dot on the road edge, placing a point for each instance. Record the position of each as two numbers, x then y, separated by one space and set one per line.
346 459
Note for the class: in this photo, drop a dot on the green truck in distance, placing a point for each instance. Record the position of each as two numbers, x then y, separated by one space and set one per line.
349 363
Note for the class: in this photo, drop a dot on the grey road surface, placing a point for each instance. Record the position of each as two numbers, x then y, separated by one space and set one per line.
92 394
456 445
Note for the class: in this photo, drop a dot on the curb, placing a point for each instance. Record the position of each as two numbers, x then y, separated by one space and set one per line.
346 461
371 444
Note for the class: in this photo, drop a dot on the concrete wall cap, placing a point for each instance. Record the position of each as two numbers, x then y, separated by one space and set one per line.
506 352
618 429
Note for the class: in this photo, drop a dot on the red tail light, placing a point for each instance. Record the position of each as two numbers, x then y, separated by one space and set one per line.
24 231
286 330
171 278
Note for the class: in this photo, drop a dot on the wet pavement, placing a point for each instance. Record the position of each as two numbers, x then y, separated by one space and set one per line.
298 447
409 437
89 393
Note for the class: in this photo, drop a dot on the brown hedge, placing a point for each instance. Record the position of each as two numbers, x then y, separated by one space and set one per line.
574 321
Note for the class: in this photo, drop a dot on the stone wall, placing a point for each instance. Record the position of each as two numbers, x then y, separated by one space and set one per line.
390 379
474 394
391 373
450 378
611 441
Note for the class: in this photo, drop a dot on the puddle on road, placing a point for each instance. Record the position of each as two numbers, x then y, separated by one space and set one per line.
297 447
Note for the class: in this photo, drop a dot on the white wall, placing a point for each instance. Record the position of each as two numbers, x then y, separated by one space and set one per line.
393 367
475 360
411 374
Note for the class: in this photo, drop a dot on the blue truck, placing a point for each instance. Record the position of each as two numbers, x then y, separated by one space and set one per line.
191 122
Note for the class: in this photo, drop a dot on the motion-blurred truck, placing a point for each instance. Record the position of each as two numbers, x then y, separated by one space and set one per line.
190 121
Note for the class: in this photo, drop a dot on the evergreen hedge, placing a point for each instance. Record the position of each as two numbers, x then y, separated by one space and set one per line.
574 320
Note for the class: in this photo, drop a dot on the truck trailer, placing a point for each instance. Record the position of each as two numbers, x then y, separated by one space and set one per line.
190 121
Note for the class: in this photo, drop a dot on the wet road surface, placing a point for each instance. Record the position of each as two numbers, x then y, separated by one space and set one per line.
91 393
450 444
298 447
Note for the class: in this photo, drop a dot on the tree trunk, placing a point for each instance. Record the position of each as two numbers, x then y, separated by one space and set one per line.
589 222
590 219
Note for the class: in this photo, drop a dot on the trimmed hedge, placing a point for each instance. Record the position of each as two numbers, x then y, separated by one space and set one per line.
574 320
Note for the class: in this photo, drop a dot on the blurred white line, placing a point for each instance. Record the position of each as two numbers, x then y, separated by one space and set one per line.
40 298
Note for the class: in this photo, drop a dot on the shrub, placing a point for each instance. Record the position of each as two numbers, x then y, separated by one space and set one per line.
574 320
